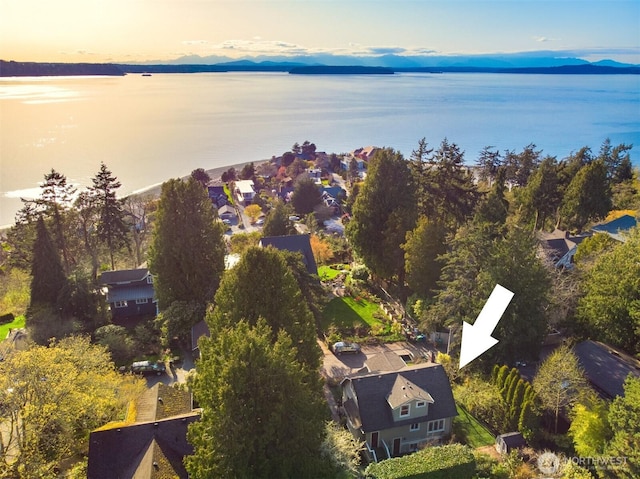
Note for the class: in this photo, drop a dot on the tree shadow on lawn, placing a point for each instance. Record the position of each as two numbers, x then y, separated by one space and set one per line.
467 428
348 312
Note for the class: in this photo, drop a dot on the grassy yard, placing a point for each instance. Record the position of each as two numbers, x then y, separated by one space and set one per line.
470 431
327 273
346 312
18 322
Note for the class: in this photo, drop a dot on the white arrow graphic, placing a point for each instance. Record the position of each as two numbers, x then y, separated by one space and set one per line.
476 338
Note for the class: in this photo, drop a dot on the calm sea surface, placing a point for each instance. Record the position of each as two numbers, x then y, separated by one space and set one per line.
149 129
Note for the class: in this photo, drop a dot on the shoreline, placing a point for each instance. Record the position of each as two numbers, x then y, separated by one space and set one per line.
214 173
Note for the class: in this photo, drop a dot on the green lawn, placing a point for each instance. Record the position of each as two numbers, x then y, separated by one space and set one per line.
18 322
470 431
327 273
346 312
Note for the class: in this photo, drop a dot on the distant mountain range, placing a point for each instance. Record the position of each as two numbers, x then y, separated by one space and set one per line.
505 60
534 62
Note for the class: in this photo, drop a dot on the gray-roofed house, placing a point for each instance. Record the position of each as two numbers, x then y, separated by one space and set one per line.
560 247
397 412
227 212
152 446
618 227
129 292
606 368
295 243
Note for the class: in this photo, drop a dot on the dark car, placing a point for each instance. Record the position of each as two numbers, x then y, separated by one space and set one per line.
344 347
148 367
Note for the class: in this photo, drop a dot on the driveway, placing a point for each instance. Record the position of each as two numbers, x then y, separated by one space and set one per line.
337 367
175 374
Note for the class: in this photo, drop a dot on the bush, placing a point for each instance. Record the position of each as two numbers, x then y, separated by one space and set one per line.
453 461
117 340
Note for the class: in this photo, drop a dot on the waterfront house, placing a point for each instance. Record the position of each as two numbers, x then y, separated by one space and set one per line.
129 292
396 412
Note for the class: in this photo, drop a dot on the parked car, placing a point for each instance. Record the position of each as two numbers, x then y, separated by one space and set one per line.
148 367
344 347
294 218
259 221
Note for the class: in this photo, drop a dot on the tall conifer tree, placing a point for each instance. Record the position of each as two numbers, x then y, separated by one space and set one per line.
48 278
112 229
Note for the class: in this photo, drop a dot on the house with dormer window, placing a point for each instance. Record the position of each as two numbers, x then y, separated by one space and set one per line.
129 293
397 412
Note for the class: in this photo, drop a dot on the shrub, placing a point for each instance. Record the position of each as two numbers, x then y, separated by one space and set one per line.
453 461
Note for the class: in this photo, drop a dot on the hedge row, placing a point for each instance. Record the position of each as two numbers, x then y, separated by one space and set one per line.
453 461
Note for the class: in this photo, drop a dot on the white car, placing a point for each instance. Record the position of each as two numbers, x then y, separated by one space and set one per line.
344 347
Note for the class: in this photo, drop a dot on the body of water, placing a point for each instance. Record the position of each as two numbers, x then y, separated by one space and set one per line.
149 129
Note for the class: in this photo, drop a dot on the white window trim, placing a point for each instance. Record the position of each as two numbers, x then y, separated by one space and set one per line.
149 279
414 427
142 301
436 426
120 304
421 403
408 406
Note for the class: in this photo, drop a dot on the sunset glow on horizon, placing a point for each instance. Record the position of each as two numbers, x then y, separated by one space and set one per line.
163 30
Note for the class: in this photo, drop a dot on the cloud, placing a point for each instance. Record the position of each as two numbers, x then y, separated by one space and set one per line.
543 39
195 42
24 193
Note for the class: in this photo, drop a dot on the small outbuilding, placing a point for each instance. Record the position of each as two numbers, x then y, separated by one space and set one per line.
505 443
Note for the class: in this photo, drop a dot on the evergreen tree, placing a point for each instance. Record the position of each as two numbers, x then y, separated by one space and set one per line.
540 199
610 306
112 228
479 259
48 278
448 187
501 377
55 199
186 256
261 285
262 412
588 196
624 418
382 214
515 377
527 161
529 422
515 406
201 176
306 196
494 374
488 164
494 208
277 222
425 243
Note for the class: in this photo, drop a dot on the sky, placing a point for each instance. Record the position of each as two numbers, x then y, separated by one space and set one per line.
163 30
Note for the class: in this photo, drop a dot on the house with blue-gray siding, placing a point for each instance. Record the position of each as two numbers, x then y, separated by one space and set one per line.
129 293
